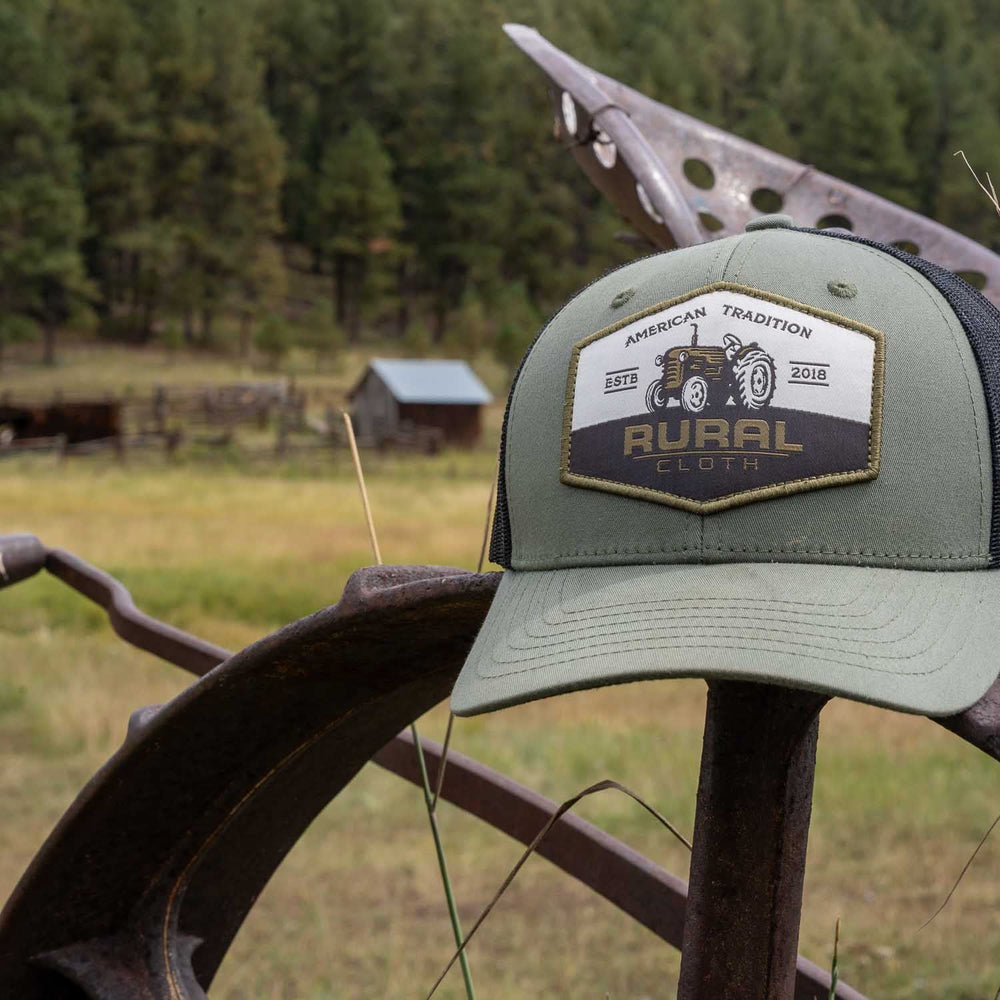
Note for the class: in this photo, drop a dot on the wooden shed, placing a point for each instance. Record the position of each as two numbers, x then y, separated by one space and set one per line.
420 401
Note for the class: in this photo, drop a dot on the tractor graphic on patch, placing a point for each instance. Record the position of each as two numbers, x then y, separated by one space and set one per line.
700 377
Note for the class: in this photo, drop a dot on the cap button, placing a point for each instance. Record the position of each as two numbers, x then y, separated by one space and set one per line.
771 222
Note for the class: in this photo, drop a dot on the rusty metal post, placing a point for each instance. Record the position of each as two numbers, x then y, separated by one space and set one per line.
741 928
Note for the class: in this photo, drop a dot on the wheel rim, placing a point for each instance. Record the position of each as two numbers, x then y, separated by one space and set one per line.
656 397
695 394
760 381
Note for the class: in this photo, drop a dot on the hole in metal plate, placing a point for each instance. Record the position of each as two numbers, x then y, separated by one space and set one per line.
699 173
767 200
908 245
710 222
835 222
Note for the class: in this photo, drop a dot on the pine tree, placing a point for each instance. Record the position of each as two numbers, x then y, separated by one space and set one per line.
952 94
843 102
41 209
219 161
407 147
114 131
326 61
356 216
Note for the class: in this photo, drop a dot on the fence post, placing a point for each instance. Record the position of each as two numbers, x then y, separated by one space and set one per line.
281 445
160 409
172 441
741 928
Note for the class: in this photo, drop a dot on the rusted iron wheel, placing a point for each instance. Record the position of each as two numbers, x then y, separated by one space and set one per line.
145 881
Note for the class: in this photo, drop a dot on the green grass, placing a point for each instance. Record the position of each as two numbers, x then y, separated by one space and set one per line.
357 910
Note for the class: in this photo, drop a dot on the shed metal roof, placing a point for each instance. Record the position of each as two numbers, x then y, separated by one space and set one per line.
430 381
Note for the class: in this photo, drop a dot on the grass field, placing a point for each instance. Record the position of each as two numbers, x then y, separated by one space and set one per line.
356 910
122 371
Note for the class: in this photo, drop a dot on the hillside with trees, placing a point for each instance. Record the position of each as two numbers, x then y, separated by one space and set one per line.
172 170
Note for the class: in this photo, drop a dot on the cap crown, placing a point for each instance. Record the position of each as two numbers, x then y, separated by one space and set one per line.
924 499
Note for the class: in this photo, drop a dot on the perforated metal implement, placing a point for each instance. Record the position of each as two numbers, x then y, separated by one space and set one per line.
680 181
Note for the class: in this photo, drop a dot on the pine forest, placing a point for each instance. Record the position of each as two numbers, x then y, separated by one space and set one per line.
171 170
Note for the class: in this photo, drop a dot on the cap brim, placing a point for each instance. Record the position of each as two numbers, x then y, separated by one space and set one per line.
912 640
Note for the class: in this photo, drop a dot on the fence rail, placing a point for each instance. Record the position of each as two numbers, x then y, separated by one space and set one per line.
83 423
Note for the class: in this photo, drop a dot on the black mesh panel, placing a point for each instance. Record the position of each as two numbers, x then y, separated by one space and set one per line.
981 321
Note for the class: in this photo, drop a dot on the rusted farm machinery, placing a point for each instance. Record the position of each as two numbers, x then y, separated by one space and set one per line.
145 881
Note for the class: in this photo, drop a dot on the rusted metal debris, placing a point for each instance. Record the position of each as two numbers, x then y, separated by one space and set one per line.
21 556
154 853
173 840
979 725
145 880
133 625
681 181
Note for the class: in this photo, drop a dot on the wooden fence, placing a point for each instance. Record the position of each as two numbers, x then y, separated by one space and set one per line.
260 419
162 419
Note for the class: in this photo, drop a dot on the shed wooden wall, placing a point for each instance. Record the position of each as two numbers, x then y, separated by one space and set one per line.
374 411
459 423
377 416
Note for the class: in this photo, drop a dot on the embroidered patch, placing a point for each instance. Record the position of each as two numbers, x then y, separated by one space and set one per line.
722 397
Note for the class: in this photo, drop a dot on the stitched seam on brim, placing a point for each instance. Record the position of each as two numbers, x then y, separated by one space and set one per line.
787 647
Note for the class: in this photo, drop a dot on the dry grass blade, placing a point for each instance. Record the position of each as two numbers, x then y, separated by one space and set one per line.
369 520
961 875
990 191
566 806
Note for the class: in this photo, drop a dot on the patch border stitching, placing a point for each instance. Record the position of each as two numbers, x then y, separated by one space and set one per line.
741 497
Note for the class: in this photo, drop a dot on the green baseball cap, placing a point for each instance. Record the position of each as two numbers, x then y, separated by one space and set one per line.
771 457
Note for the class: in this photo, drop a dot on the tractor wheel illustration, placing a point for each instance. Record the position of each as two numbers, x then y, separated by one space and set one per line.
694 394
656 397
754 377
